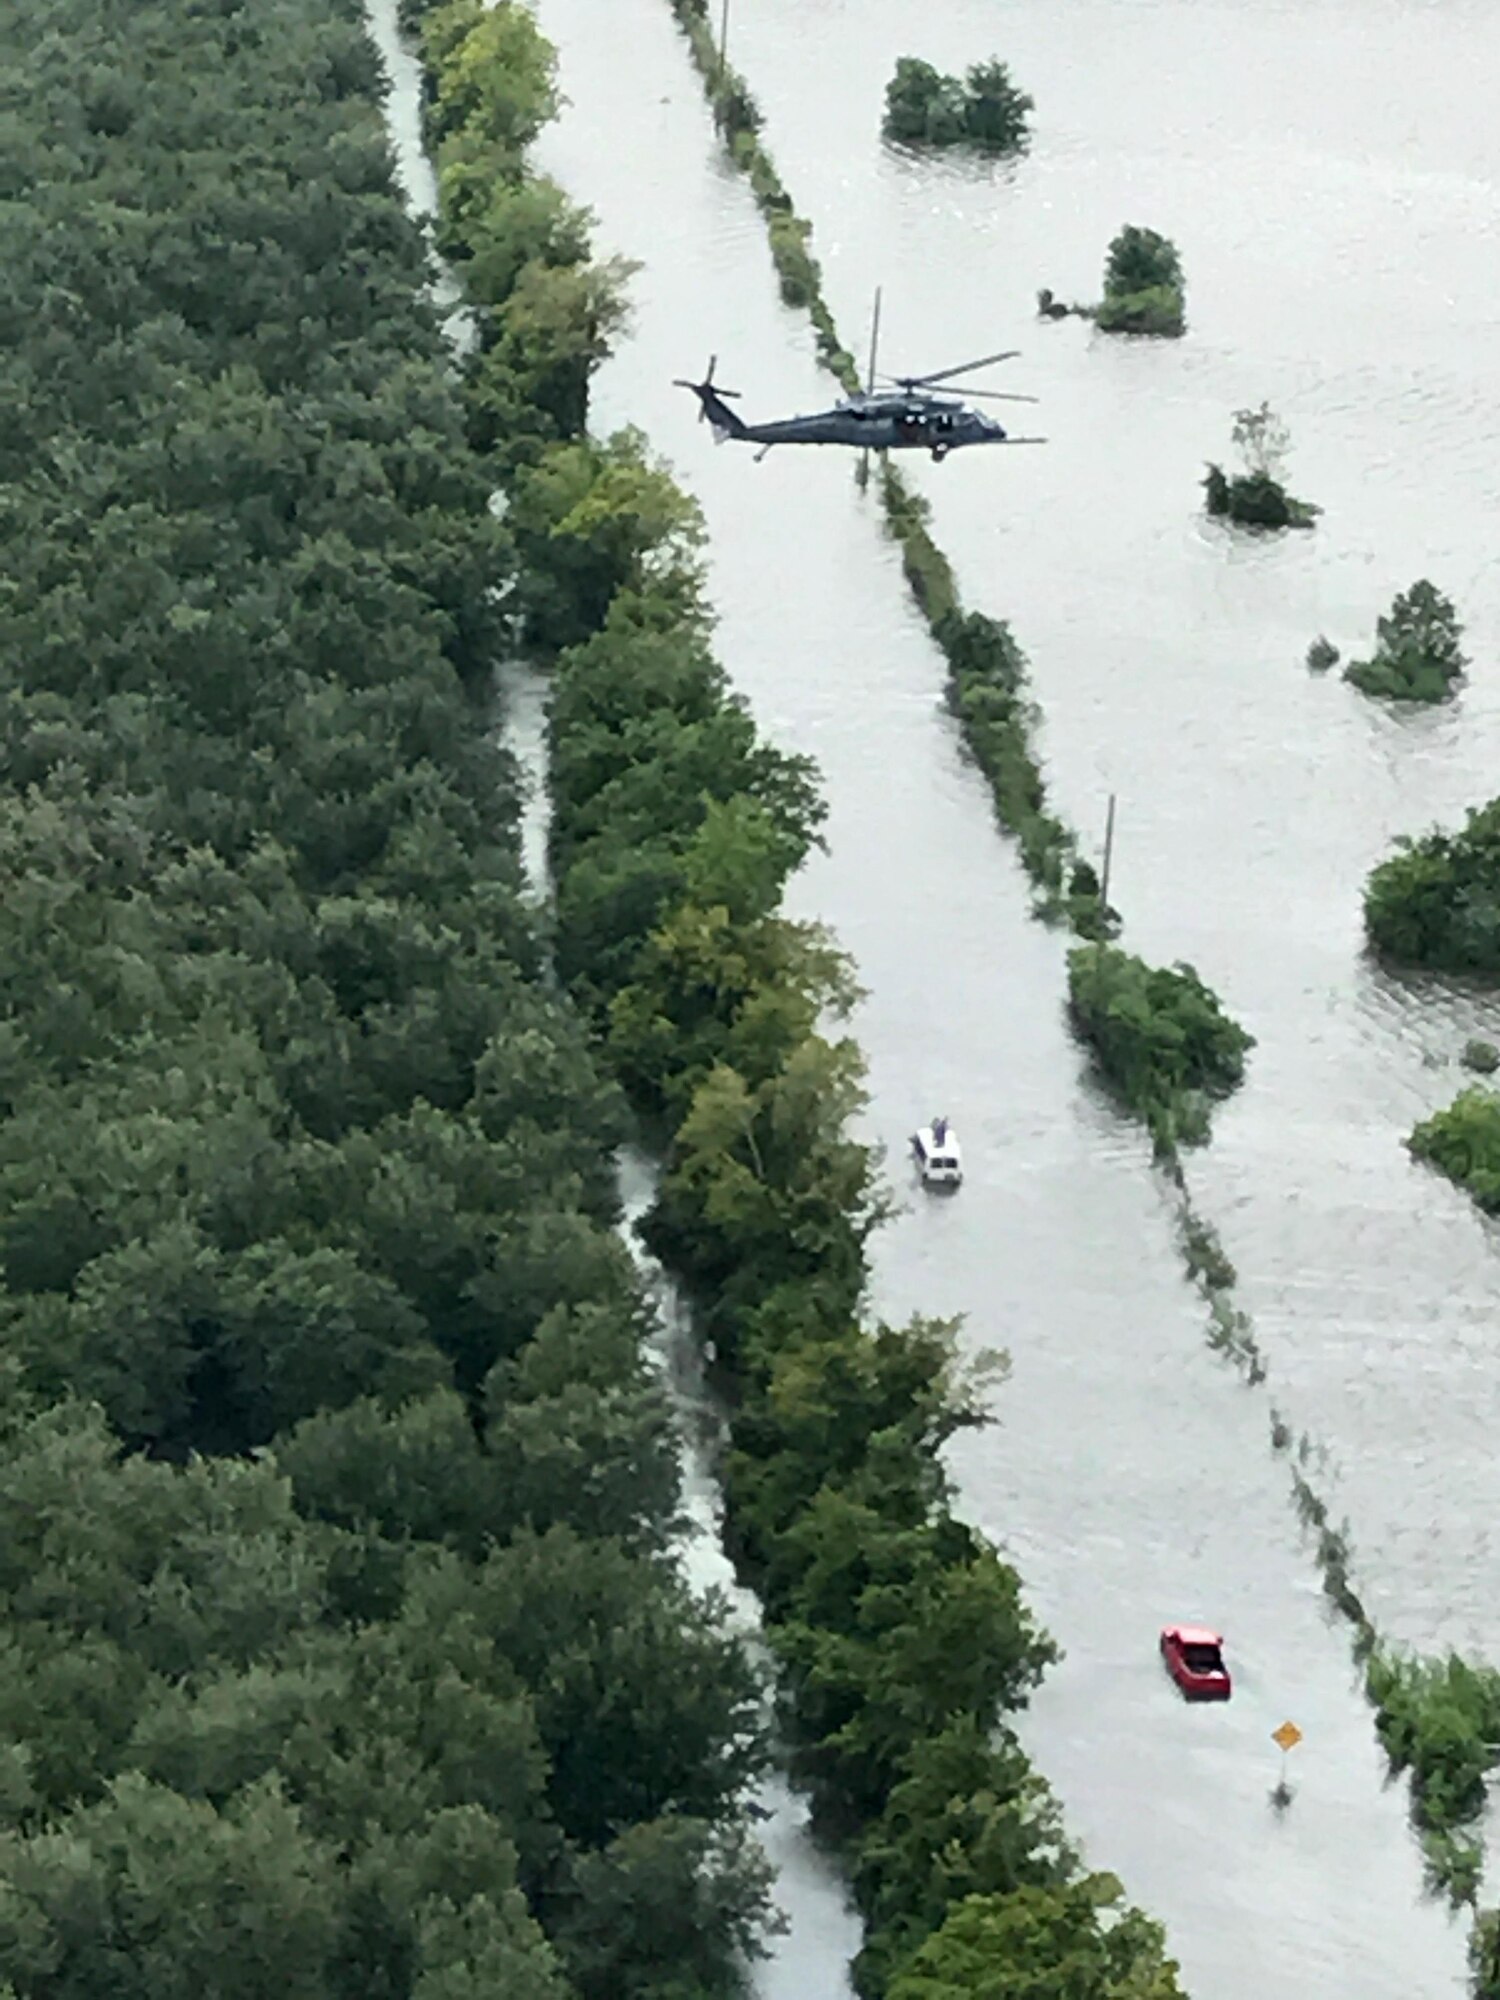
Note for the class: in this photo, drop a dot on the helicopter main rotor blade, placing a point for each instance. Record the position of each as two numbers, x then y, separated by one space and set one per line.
964 368
1000 396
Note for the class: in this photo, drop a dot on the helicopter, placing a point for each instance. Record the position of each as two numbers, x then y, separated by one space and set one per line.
903 416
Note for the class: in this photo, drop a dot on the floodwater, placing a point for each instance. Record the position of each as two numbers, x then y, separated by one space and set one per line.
1129 1472
1331 174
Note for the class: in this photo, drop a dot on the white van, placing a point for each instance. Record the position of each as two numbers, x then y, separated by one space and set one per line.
936 1150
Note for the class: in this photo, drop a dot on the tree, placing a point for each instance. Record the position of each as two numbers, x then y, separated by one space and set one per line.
971 1819
1436 901
985 109
1257 497
1042 1944
593 521
1141 260
1144 287
155 1897
493 73
1418 649
923 107
1159 1035
996 112
669 1908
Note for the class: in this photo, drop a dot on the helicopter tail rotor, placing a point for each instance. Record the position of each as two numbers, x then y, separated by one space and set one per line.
705 389
711 405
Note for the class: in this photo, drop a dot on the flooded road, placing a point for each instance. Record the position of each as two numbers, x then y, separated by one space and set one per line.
1331 175
1129 1474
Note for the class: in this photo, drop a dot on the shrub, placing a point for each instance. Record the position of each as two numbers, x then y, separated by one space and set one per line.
1481 1055
995 111
1321 655
923 107
1144 290
1141 260
1257 497
1158 310
1436 901
1159 1036
1463 1142
1441 1720
1418 655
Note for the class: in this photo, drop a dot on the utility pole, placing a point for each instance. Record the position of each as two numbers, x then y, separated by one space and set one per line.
864 457
723 42
1109 848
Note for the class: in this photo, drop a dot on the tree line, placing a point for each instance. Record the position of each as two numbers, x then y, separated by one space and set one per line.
346 1654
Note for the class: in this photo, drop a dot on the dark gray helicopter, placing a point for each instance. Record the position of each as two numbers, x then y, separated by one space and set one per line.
903 417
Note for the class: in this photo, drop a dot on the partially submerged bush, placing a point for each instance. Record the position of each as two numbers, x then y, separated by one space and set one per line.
1481 1056
1159 1036
1440 1719
984 109
1256 497
1321 655
1436 901
1144 290
1418 651
1463 1142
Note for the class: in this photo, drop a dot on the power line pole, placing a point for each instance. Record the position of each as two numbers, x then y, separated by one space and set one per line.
1109 848
864 457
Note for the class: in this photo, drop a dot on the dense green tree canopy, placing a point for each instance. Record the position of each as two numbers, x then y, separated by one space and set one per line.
345 1653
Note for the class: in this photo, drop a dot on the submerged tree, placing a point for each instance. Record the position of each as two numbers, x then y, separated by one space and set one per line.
984 109
1418 655
1257 497
1435 902
1144 289
995 111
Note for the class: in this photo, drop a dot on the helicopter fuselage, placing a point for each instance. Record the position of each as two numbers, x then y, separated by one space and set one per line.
907 418
938 428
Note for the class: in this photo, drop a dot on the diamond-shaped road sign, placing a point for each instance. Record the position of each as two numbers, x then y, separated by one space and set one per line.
1288 1735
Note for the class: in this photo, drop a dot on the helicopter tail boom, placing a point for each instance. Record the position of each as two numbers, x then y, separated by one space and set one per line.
712 406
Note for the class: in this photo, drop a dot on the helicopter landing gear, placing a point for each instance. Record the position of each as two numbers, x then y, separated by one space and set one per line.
939 453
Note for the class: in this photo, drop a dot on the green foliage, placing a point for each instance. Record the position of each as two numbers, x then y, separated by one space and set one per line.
1141 260
545 316
1042 1944
996 113
984 109
1256 497
1463 1142
1418 654
491 75
1441 1720
343 1654
1480 1056
1435 902
1321 655
1144 290
592 522
1159 1036
1158 310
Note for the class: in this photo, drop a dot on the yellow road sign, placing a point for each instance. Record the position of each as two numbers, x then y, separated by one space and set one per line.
1288 1735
